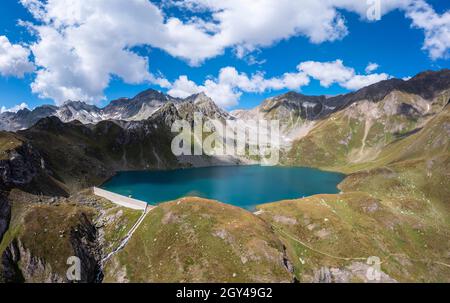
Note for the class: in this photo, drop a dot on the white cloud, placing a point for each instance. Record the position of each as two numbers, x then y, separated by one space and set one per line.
359 81
436 28
335 72
371 67
327 73
249 25
223 94
14 59
13 109
228 87
81 44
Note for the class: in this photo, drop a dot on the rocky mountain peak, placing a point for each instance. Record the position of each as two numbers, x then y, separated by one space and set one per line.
73 108
23 111
200 97
426 84
151 94
200 103
293 103
166 115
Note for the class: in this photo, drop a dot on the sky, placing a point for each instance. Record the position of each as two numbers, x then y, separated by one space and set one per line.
237 52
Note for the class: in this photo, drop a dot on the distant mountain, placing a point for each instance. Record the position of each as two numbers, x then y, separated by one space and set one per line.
138 108
426 85
397 106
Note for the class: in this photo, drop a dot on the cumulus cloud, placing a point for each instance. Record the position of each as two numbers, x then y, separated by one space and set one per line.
228 87
275 20
13 109
327 73
371 67
335 72
82 44
436 28
14 59
183 88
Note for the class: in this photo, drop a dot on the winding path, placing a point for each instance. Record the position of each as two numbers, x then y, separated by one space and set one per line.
128 236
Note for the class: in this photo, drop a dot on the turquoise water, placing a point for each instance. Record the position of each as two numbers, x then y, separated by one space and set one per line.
243 186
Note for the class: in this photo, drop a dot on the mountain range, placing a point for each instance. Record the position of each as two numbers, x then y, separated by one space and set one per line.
138 108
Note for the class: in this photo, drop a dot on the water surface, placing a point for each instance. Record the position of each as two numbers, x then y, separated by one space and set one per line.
243 186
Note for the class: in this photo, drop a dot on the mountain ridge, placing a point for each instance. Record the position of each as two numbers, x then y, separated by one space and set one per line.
426 85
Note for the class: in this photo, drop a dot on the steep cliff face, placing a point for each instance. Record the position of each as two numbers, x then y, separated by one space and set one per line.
19 163
22 166
5 215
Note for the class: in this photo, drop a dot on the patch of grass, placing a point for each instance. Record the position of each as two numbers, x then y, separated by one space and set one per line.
8 142
117 222
47 233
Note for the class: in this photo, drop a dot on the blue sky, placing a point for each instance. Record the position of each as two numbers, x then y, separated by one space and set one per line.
391 43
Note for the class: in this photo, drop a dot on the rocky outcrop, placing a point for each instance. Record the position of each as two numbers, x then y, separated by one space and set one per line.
19 263
20 166
355 272
5 215
86 246
23 167
201 104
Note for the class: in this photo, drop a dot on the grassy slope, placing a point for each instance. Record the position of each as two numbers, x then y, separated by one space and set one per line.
8 142
415 167
408 184
197 240
357 226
